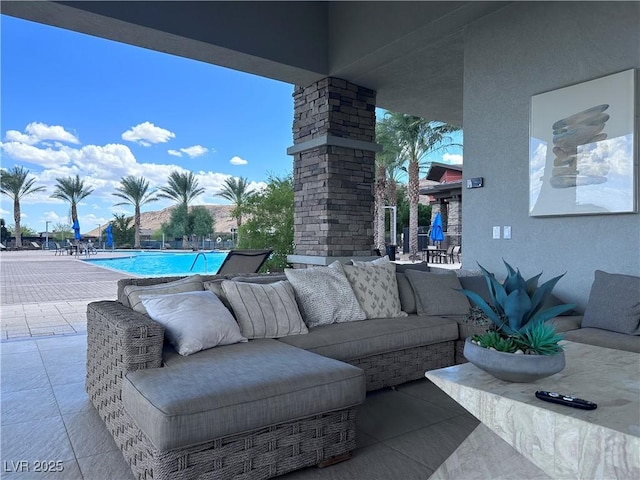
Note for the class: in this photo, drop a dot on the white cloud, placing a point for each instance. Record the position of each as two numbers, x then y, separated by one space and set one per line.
147 133
45 157
452 158
37 132
238 161
195 151
175 153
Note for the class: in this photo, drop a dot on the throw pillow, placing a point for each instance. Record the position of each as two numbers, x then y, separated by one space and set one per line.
436 293
614 303
377 261
193 321
421 266
477 284
324 295
187 284
264 310
376 289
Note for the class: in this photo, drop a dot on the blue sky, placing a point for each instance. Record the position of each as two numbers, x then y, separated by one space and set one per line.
76 104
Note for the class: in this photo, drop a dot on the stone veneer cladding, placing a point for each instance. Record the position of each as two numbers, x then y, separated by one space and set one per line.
334 171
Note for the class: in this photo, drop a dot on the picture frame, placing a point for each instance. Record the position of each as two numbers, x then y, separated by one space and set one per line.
583 148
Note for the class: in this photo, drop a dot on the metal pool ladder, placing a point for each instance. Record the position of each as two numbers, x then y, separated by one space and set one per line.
206 267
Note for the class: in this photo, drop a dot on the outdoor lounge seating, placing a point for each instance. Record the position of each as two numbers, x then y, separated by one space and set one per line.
146 392
244 261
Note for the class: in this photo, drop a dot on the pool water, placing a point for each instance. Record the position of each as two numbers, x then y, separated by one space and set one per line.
163 264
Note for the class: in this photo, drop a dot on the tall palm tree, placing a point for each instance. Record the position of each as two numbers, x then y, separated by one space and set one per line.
236 190
182 188
15 184
135 191
387 162
72 190
418 137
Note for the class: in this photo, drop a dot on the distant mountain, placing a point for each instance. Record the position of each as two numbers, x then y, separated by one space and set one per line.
153 220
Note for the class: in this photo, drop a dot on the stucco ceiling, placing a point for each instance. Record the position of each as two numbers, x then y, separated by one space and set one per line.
411 53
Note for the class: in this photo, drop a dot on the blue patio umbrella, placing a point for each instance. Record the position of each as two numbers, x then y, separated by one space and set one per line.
109 233
76 229
436 234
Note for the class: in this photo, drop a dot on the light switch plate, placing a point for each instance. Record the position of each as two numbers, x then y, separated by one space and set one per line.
496 233
506 232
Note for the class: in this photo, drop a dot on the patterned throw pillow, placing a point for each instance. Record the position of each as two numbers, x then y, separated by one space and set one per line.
324 295
187 284
376 289
193 321
264 310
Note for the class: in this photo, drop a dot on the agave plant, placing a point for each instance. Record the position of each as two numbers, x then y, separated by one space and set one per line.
517 311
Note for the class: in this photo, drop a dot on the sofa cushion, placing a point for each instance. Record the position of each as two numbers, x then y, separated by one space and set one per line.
437 293
604 338
405 291
193 321
264 310
420 266
349 341
236 388
324 295
187 284
614 303
376 288
477 284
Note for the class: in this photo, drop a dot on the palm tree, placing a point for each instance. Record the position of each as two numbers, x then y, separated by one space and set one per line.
15 184
418 137
236 190
182 188
72 190
135 191
387 162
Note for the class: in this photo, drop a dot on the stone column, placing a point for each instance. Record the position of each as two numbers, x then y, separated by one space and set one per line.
333 171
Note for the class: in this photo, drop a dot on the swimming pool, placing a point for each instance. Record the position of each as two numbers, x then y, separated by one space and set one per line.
163 264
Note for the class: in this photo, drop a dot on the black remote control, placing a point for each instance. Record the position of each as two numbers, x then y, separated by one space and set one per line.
567 400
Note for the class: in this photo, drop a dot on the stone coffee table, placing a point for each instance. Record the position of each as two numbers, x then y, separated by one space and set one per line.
563 442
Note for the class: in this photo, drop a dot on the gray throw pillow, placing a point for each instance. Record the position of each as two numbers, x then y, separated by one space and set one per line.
376 289
264 310
436 293
187 284
614 303
477 284
420 266
193 321
324 295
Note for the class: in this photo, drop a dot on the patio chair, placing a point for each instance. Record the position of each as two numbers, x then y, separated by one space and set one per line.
35 245
244 261
455 254
2 246
445 256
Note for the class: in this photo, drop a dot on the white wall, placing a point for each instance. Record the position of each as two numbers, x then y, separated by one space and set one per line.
520 51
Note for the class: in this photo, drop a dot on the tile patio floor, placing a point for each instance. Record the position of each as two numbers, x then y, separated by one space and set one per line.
46 416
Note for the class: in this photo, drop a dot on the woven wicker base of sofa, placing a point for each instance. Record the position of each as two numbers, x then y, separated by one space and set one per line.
258 454
394 368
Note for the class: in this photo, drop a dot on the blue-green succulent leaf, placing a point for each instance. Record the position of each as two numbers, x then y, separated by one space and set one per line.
549 313
516 308
532 284
482 305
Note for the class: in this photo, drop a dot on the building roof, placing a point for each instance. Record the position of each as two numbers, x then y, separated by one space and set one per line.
437 169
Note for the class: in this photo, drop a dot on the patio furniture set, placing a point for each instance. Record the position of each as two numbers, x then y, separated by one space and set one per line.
252 376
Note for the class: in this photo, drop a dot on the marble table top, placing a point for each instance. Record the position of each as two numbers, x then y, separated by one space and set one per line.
564 442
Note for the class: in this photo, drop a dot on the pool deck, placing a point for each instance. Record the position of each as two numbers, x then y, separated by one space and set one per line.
43 294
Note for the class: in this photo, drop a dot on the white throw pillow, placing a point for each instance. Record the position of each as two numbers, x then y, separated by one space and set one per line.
376 288
193 321
187 284
324 295
265 310
377 261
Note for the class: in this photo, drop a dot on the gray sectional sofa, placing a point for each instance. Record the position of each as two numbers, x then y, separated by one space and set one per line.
266 406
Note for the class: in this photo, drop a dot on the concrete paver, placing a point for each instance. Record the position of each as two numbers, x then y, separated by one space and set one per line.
43 294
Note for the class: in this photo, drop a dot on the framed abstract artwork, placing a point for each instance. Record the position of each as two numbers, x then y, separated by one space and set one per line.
583 148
